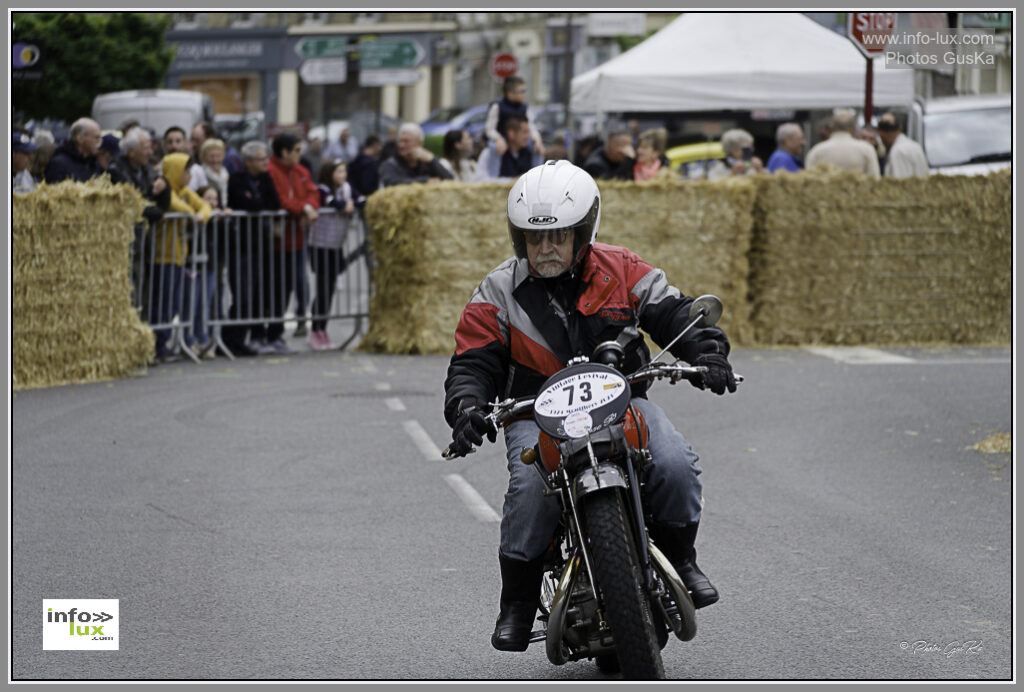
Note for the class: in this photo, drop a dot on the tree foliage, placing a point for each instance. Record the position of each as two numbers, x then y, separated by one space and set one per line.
87 54
627 42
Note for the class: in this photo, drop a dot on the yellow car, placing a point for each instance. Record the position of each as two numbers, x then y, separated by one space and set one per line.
689 153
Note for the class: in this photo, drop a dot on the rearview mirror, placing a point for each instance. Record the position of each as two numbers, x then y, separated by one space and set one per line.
709 307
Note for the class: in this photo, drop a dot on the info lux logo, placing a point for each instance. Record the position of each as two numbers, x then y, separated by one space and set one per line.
80 624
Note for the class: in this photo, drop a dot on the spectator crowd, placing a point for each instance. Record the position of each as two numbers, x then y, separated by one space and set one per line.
321 189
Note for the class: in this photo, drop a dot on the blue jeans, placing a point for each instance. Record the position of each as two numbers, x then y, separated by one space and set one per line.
197 304
164 301
670 490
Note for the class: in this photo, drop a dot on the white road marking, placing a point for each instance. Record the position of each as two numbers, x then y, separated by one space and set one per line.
858 355
422 440
471 498
963 361
382 386
466 492
395 404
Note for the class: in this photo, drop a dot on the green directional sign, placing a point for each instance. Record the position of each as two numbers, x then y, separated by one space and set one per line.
389 54
322 47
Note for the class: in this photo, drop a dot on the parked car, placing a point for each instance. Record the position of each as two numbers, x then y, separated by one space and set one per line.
964 135
438 122
693 160
472 120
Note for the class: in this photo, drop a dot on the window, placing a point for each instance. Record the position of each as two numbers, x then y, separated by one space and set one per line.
969 136
188 20
247 20
316 17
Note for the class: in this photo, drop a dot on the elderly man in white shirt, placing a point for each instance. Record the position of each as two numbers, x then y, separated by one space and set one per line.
905 157
842 150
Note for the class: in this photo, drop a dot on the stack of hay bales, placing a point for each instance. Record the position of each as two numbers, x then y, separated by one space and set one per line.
840 258
73 320
697 232
433 245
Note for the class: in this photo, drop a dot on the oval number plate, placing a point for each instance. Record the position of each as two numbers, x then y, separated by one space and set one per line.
581 398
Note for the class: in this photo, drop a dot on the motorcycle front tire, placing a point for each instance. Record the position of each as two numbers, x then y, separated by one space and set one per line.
617 575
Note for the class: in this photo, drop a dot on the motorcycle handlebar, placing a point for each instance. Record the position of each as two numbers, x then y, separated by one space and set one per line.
504 410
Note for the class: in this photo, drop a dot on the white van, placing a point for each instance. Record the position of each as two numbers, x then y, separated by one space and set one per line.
158 109
964 135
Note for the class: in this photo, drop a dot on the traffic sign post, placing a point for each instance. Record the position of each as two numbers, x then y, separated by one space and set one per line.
322 47
400 77
390 54
503 65
870 32
324 71
384 62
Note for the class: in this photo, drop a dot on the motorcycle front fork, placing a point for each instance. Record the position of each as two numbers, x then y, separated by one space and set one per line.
638 521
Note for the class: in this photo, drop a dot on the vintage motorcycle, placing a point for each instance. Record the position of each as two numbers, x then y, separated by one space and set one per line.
608 593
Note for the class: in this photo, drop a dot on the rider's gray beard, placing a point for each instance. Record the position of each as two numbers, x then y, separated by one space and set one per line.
549 271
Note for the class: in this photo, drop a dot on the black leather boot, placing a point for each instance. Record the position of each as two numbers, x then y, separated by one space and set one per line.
520 595
677 544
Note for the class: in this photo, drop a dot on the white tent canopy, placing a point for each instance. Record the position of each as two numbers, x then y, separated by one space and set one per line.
739 61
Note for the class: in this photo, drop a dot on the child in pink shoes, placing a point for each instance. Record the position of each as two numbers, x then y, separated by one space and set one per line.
326 240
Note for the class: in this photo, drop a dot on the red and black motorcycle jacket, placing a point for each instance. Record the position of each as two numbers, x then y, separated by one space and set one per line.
517 329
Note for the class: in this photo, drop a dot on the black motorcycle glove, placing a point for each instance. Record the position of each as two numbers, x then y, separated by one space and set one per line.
719 376
700 341
470 427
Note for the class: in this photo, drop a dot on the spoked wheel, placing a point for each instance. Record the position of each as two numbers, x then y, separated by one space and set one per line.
617 575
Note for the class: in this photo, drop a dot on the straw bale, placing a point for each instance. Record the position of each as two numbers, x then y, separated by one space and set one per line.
797 259
433 245
697 232
840 258
71 290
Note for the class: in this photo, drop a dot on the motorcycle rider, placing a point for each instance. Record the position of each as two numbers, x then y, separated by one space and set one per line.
560 296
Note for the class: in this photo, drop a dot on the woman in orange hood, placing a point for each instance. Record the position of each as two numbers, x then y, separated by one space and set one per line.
170 249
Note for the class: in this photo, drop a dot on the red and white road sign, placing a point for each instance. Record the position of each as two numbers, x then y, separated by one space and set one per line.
871 31
504 65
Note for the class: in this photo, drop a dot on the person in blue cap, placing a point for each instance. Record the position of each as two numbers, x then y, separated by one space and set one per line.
22 148
110 146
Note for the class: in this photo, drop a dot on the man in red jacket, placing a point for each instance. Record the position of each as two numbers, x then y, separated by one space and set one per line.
560 296
300 198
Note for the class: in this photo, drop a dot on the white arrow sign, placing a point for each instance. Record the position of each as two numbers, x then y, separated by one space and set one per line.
374 78
324 70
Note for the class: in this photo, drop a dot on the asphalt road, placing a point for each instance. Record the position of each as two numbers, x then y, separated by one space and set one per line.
279 518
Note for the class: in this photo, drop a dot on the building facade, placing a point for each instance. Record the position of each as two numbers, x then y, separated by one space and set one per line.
315 67
309 68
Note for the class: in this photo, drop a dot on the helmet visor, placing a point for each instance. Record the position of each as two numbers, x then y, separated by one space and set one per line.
582 233
555 237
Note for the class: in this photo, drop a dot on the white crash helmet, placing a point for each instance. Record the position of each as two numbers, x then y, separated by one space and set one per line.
553 196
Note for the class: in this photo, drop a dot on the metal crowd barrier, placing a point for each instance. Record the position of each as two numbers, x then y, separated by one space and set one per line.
233 282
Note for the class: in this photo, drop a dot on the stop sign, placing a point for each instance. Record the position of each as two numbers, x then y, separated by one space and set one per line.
871 31
504 65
